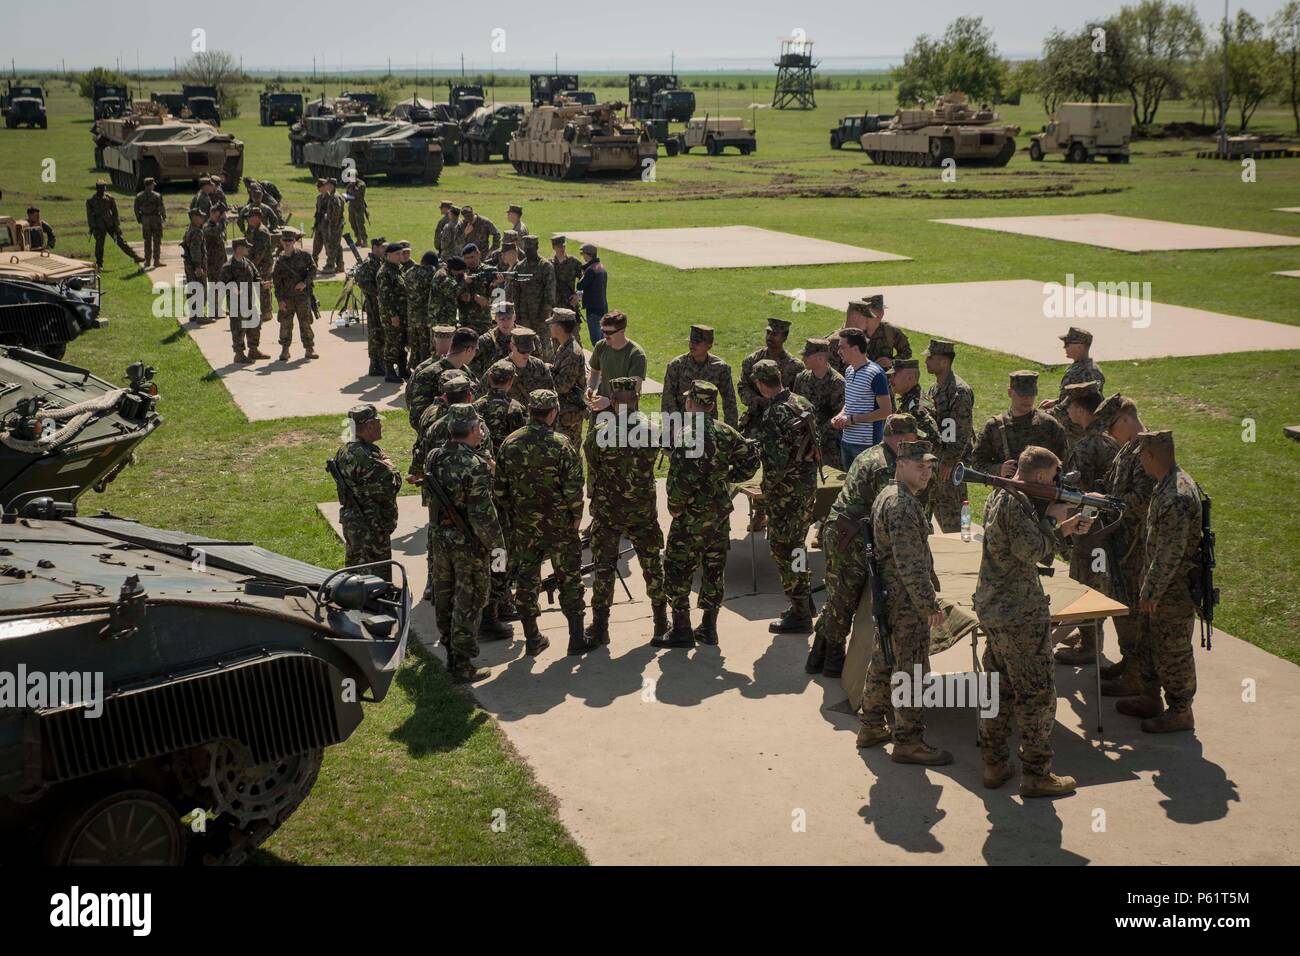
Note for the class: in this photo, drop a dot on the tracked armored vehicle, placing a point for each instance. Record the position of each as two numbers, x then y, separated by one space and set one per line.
24 105
390 148
951 130
165 697
438 117
488 132
134 147
571 141
322 118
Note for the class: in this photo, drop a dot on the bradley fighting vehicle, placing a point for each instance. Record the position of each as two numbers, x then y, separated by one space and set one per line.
488 131
438 117
139 145
952 130
110 99
277 106
165 697
570 141
393 148
24 105
46 300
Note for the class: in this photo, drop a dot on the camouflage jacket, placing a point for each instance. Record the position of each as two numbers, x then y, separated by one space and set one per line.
444 242
241 271
417 282
1016 541
539 482
1173 540
203 202
569 372
1127 480
291 269
953 401
827 397
1091 457
373 484
149 205
501 414
622 480
192 248
214 245
270 218
788 442
444 296
927 426
888 342
532 376
566 279
475 316
533 289
424 386
866 477
684 370
1084 370
899 530
392 294
754 402
261 250
701 487
435 431
492 347
467 482
357 197
1004 437
483 233
329 212
367 276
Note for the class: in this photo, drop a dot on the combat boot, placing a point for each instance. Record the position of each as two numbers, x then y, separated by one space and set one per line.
1112 671
506 610
463 671
1171 721
491 628
996 774
661 625
376 368
919 752
390 374
256 353
284 353
707 632
598 632
241 358
1048 785
579 643
834 664
816 656
1085 653
311 353
1146 705
680 635
1126 684
795 618
871 735
534 640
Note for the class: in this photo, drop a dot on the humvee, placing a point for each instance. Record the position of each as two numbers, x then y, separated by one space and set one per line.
852 128
24 105
1084 131
715 134
276 106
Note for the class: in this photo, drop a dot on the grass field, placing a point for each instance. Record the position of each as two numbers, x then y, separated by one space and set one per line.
421 779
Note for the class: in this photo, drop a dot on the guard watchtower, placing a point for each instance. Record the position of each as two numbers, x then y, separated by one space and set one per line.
794 75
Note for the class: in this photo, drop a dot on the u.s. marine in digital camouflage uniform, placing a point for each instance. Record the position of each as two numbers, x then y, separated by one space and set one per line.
623 503
568 368
368 496
294 268
241 282
568 270
1082 368
699 500
776 333
102 221
195 264
824 389
953 402
214 253
261 253
699 364
905 390
532 289
1005 436
151 214
477 230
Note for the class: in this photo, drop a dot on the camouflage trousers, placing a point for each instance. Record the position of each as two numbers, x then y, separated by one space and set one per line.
789 517
151 228
357 220
419 335
569 424
697 542
395 342
245 331
643 531
846 576
565 553
946 499
460 592
332 242
100 236
193 303
1021 655
910 640
364 543
298 307
374 330
1165 654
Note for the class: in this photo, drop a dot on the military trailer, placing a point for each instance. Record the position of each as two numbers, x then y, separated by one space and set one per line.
24 105
1084 131
278 107
715 134
109 100
951 130
135 147
437 117
850 129
545 88
173 103
464 100
203 102
488 131
569 142
655 96
391 148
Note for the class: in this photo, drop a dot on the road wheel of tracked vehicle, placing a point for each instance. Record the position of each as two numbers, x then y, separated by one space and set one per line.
519 167
1036 151
126 828
1004 155
565 169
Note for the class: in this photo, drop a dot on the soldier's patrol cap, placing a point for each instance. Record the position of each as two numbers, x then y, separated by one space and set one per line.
940 347
403 244
1081 389
32 209
1075 335
378 241
332 181
1162 440
559 240
523 339
874 301
101 184
241 241
467 208
588 248
509 235
393 247
513 208
443 331
702 393
250 181
916 451
455 210
453 380
508 245
205 180
779 325
529 242
503 307
363 413
463 338
906 363
900 423
468 248
462 413
623 384
566 317
446 204
1024 382
765 370
456 263
614 320
502 371
321 181
543 399
288 232
1113 407
701 333
815 345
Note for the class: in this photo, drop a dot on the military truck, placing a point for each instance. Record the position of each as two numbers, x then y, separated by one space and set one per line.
488 130
655 96
24 105
464 100
568 142
951 130
134 147
715 134
392 148
109 100
850 129
275 106
203 102
545 88
1084 131
173 103
437 117
216 672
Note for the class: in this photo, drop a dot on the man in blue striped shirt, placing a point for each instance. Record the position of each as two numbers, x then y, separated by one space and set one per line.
867 402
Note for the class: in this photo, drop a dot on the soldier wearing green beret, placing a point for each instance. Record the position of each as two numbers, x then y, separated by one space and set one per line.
699 364
368 484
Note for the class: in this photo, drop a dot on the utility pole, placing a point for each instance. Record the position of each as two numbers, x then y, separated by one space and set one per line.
1223 105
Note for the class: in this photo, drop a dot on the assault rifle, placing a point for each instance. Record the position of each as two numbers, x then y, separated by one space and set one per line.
1204 593
550 582
879 596
1089 502
445 506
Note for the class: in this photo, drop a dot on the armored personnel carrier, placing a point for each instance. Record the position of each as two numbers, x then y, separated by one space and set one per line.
134 147
378 147
24 105
171 694
570 141
488 132
438 117
322 118
951 130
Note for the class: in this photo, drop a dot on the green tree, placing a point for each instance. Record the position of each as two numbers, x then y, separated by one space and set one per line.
1254 72
964 59
1088 65
1159 39
1285 28
217 68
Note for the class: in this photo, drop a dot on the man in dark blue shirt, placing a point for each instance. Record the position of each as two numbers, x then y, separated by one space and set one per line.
592 284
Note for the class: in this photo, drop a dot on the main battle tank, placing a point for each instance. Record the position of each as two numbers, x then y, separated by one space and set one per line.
378 147
165 697
569 141
139 145
952 130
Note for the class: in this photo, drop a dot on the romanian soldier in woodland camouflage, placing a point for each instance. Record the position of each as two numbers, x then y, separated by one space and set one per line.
426 383
367 279
392 313
368 486
531 373
418 282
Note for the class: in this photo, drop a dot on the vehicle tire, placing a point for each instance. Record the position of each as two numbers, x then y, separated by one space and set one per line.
43 122
125 827
746 150
1114 159
11 122
1036 151
670 146
711 147
836 143
1078 153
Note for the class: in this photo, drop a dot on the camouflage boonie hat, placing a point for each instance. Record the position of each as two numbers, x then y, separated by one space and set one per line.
462 413
502 371
701 333
900 423
905 364
1113 407
940 347
1080 390
543 399
1024 382
444 331
1076 335
779 325
1157 441
765 370
525 340
363 413
453 379
565 317
915 451
624 383
702 393
814 346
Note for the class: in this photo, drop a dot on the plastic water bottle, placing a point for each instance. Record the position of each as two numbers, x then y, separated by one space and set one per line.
965 520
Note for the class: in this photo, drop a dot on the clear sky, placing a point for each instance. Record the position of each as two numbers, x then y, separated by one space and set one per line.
610 34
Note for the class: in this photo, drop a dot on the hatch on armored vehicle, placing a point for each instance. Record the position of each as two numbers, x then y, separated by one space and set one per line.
1084 131
951 130
716 133
24 105
438 117
568 142
278 107
379 147
135 147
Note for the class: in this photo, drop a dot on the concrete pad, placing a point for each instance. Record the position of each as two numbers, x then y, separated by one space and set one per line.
728 247
1126 233
733 755
1294 274
1009 316
1288 209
